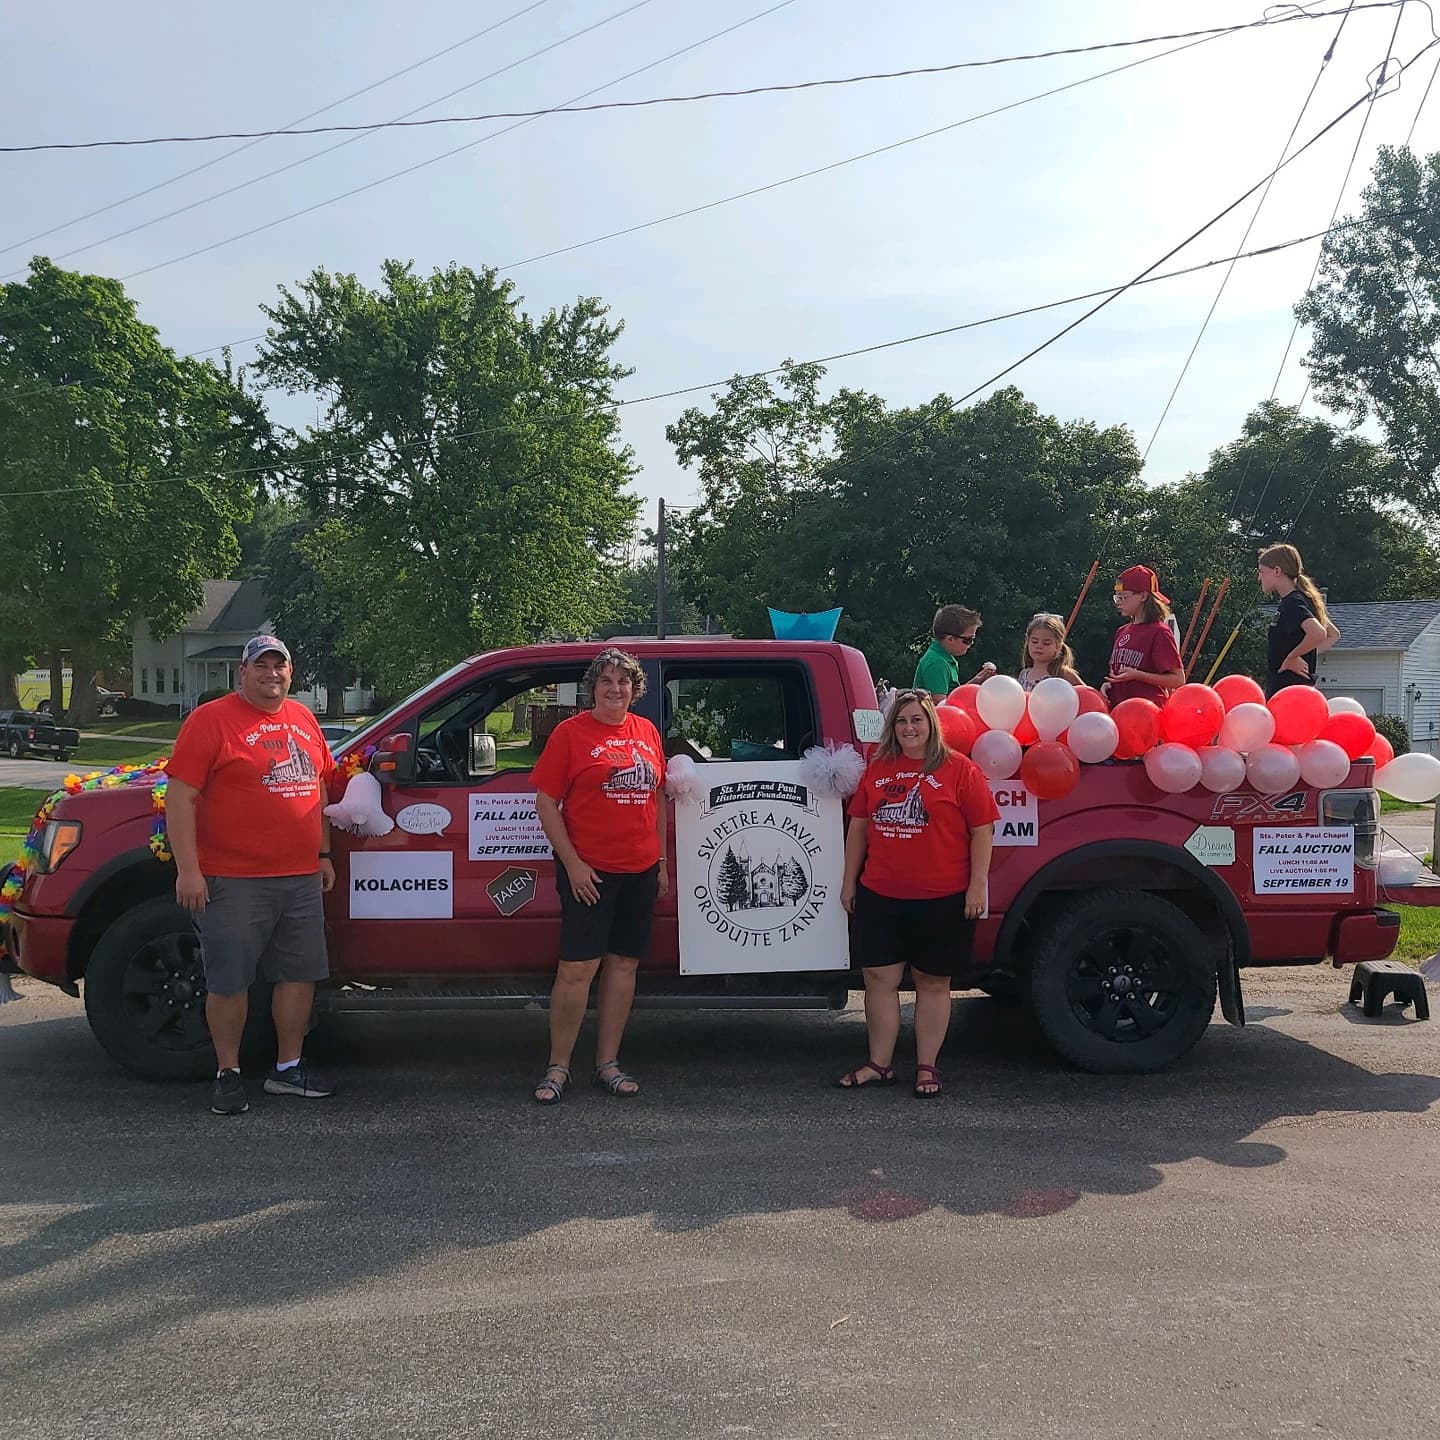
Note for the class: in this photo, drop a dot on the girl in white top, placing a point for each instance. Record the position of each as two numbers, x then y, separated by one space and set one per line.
1046 653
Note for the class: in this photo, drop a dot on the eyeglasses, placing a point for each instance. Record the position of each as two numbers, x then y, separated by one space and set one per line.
966 640
1045 615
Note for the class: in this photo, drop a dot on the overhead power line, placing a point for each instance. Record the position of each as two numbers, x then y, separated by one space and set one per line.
711 385
299 120
798 85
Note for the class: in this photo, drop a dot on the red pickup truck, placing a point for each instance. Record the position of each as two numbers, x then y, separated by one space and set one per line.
1117 913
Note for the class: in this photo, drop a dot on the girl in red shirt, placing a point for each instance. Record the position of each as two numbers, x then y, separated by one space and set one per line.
917 861
1145 661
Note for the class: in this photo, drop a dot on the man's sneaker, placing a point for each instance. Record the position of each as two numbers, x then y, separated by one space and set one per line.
298 1080
228 1096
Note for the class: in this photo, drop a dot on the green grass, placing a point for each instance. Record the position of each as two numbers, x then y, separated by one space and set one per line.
1389 806
102 754
17 809
515 757
160 729
1419 933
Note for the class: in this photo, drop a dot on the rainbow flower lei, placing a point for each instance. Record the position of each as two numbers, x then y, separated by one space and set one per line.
153 773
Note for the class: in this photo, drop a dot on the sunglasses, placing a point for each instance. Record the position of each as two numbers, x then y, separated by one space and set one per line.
907 697
963 639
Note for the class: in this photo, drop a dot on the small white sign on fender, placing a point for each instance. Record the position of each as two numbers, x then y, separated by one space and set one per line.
1019 822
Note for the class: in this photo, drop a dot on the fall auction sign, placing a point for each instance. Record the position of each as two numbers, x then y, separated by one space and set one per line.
759 864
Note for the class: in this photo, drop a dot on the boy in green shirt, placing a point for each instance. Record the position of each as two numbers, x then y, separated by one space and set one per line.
938 672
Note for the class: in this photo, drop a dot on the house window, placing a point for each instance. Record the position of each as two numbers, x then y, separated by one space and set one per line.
144 679
175 680
159 679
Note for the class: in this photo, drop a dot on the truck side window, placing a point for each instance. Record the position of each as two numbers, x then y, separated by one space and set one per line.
740 711
519 709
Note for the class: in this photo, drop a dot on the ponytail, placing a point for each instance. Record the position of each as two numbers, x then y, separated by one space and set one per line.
1286 559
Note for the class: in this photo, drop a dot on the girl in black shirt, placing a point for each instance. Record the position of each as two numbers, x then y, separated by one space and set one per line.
1302 629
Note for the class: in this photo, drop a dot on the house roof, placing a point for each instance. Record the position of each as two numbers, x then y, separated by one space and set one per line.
1382 624
229 605
218 652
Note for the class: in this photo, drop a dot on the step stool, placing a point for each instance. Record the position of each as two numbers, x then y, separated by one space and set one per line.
1377 980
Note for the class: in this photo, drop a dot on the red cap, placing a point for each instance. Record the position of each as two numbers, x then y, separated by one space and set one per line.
1141 580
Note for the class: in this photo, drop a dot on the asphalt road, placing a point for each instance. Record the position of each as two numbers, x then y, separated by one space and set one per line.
36 774
1244 1247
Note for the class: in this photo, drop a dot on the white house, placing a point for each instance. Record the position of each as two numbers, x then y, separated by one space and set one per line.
204 654
1388 658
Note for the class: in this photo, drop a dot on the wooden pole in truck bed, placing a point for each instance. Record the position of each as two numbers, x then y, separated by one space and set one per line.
660 573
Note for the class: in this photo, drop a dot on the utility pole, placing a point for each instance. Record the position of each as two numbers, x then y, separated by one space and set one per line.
660 574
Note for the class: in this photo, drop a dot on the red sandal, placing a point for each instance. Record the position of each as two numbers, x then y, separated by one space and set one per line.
850 1080
934 1080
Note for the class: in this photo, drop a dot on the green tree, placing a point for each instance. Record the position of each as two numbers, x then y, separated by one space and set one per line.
122 470
1374 313
731 885
481 490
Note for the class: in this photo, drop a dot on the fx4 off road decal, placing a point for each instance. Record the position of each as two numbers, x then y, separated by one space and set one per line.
1238 809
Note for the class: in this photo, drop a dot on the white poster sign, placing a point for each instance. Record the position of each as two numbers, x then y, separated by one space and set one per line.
506 827
1019 822
402 885
1304 861
759 863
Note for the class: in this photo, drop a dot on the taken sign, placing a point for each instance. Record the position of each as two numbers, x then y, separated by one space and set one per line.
758 866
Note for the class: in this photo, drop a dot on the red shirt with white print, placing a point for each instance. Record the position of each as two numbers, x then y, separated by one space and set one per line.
918 842
1143 645
605 778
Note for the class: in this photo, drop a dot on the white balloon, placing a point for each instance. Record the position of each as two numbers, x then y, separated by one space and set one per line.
1173 768
1221 771
1247 728
1323 764
1093 737
1001 703
997 753
1272 768
1413 777
1054 703
1344 705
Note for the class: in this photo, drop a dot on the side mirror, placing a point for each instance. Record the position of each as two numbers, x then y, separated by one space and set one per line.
393 761
483 759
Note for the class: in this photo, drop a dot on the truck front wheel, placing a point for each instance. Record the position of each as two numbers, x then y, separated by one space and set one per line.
16 749
145 995
1122 982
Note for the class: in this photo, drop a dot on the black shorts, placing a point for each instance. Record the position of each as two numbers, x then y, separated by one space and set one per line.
619 924
932 936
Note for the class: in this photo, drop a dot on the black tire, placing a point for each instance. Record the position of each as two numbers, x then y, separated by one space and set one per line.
1005 989
1122 982
62 754
16 748
145 996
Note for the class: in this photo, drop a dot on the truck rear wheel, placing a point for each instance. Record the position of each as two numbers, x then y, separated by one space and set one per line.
1122 982
16 749
145 996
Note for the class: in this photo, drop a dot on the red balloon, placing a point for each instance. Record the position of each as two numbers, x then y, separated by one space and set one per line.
1025 731
1091 700
1192 716
1138 722
963 698
1236 690
957 728
1049 771
1382 750
1354 734
1300 712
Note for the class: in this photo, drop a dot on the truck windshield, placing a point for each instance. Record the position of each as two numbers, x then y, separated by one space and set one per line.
372 730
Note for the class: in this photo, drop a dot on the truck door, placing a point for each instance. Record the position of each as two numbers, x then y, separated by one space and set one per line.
464 884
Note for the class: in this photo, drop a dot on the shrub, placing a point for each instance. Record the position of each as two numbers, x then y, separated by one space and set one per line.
1394 729
219 693
145 709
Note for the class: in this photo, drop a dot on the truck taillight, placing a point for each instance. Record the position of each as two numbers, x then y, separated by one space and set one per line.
57 840
1357 809
30 733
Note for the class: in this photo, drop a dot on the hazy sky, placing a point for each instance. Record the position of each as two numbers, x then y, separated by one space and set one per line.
1067 194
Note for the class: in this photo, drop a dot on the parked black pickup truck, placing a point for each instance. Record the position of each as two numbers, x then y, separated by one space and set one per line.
24 730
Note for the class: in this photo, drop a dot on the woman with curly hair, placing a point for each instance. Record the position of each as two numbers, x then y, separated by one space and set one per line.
597 782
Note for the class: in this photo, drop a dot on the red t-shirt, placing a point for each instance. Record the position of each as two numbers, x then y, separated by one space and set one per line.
1142 645
918 842
605 778
259 776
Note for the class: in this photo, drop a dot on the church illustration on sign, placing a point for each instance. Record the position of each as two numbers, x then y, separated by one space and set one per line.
746 884
909 811
641 775
297 768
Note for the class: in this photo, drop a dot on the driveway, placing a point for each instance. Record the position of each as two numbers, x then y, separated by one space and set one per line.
37 774
1243 1247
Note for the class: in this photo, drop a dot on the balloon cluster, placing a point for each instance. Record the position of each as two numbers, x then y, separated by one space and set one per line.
1220 738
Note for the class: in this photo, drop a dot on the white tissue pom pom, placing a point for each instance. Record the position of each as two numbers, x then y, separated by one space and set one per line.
682 781
360 810
836 768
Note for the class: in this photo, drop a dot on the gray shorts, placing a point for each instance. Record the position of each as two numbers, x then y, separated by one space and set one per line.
272 927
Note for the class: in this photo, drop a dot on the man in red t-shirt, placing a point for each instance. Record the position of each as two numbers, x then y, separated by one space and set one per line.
248 784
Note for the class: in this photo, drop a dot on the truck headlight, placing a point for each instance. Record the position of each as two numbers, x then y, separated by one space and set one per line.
57 840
